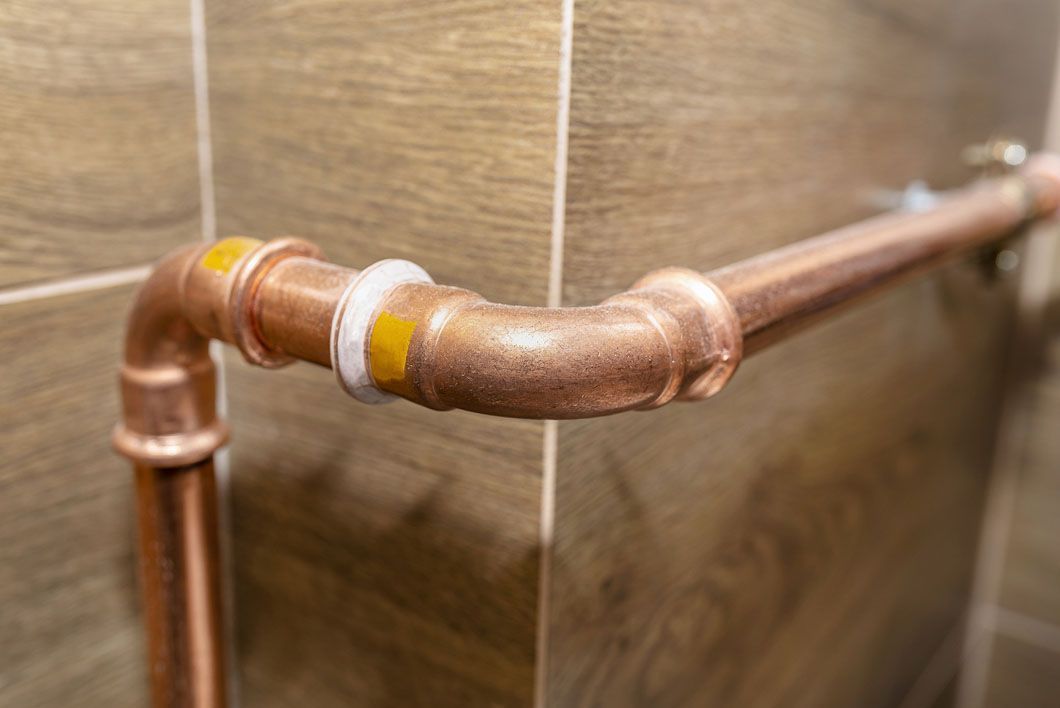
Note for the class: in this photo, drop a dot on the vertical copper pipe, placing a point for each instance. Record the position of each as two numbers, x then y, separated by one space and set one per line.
170 431
180 575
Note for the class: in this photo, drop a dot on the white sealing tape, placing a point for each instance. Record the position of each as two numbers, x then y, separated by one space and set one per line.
352 326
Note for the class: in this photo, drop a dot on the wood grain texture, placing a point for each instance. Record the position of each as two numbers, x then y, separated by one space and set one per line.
386 556
69 619
1022 675
97 136
703 132
806 538
380 129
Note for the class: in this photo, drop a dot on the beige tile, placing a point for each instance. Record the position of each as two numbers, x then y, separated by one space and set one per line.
69 614
807 538
1031 579
386 555
97 136
420 130
1022 675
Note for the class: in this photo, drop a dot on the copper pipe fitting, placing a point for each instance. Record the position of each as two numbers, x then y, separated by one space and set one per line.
389 331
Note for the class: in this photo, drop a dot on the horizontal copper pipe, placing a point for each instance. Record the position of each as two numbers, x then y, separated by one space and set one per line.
781 290
666 338
675 334
390 331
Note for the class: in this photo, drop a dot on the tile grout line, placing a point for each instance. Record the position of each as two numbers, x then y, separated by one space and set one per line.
1034 291
544 584
550 441
75 284
940 668
1005 472
204 143
1030 630
208 226
559 190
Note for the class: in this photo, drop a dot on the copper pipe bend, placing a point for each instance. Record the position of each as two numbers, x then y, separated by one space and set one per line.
168 378
389 331
673 334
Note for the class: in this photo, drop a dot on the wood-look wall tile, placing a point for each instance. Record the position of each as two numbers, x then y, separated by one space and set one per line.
807 538
804 539
1022 675
1031 576
383 555
386 556
384 128
69 618
703 132
97 136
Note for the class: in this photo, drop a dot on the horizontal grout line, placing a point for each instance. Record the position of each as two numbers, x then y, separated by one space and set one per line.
76 284
1031 630
940 669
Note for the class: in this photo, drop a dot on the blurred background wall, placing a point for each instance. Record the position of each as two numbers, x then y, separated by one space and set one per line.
99 177
1013 643
807 538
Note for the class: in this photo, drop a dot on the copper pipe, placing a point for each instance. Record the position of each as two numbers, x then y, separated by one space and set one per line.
180 576
663 339
780 291
390 331
296 305
170 431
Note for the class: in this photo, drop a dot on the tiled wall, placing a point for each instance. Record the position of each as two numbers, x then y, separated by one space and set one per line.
1014 652
805 539
99 177
389 555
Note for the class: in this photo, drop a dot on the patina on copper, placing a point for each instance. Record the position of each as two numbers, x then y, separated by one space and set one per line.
675 334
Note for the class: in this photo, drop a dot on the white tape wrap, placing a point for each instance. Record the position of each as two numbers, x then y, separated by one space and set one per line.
352 326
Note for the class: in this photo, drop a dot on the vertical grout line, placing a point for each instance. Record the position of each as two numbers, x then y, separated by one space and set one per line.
1029 630
1005 474
544 584
559 190
208 225
550 440
938 672
1034 291
207 200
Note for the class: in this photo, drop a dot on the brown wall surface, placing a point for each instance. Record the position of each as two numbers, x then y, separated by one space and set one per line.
1022 664
99 174
386 555
805 539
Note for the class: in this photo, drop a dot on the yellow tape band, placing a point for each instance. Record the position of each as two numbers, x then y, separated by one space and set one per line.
388 348
228 252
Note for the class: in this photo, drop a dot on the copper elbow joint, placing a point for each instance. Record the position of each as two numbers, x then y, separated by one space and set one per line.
168 379
672 335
